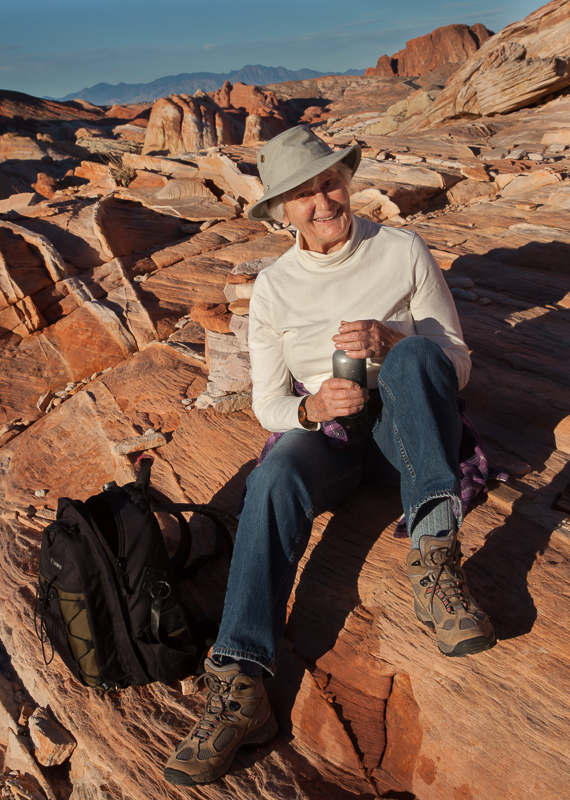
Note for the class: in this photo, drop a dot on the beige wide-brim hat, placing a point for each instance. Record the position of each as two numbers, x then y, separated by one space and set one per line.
290 159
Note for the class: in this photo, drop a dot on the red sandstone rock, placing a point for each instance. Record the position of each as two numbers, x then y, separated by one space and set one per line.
222 96
212 316
127 227
20 202
147 180
24 106
183 124
450 44
349 99
130 133
241 96
87 131
360 682
262 127
170 167
20 762
216 166
96 172
469 190
312 114
171 292
385 68
73 233
46 185
475 173
239 307
21 148
240 278
522 63
126 112
52 744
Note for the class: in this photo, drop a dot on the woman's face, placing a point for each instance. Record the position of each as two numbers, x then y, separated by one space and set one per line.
320 210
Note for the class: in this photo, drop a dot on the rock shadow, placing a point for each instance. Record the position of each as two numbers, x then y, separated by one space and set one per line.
327 592
521 418
205 592
294 108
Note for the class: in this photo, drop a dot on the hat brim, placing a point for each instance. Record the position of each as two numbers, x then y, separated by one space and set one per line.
350 156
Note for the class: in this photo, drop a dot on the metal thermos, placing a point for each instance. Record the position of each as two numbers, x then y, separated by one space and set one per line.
352 369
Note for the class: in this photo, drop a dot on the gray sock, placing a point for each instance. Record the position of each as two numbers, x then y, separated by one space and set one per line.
435 518
251 668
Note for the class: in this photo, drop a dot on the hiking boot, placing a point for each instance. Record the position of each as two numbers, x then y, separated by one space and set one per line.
237 713
442 600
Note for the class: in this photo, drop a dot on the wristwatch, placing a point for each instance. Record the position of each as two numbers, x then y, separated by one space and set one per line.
303 418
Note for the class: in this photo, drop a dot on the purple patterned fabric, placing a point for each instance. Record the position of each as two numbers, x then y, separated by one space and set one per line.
474 469
338 434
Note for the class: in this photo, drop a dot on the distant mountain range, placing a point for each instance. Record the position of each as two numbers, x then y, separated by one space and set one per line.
104 94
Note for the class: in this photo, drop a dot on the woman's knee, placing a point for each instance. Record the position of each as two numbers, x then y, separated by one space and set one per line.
415 347
417 352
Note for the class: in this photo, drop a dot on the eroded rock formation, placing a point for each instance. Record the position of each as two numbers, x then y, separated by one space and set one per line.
521 64
236 114
450 44
124 316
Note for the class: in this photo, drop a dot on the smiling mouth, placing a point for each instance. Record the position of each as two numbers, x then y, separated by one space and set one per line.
326 219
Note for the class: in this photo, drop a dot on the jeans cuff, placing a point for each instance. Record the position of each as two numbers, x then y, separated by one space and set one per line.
243 655
455 502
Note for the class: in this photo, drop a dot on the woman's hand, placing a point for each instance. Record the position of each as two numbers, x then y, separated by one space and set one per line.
366 338
337 397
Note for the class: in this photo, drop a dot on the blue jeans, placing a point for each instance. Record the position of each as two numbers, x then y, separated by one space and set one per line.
414 442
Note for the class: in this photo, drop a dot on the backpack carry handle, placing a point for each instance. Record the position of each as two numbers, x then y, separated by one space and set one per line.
142 482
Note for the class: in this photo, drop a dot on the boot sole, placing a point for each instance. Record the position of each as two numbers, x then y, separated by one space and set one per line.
466 648
469 647
259 736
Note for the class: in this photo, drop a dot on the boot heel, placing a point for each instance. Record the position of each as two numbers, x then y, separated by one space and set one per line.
263 734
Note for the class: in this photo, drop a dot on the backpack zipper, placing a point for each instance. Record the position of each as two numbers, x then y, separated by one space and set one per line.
120 560
105 564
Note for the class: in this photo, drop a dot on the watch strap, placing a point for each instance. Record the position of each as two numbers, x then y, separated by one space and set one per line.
303 418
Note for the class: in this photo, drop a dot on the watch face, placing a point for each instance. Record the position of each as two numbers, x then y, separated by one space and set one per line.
303 413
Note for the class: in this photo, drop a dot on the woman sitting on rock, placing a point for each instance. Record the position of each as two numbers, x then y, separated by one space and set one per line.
376 292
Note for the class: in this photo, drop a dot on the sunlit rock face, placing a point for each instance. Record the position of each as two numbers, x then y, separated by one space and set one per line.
124 300
450 44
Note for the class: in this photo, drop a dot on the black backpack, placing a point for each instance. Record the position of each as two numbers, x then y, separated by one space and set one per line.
108 595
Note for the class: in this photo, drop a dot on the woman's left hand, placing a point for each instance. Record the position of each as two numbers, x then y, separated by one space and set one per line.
366 338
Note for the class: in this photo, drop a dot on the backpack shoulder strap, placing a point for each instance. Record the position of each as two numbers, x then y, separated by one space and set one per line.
226 523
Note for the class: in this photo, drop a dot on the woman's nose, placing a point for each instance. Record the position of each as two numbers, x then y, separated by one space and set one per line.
322 200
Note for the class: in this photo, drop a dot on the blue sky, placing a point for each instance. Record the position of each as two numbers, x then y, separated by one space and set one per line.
53 47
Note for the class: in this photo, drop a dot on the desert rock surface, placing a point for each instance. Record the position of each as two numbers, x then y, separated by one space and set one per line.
448 45
125 278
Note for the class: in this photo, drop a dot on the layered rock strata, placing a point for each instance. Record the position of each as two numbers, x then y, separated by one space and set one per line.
121 309
521 64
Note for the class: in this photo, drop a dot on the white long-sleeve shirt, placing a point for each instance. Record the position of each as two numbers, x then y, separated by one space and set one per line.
297 305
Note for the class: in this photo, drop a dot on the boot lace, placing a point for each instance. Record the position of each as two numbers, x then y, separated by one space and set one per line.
446 578
216 709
